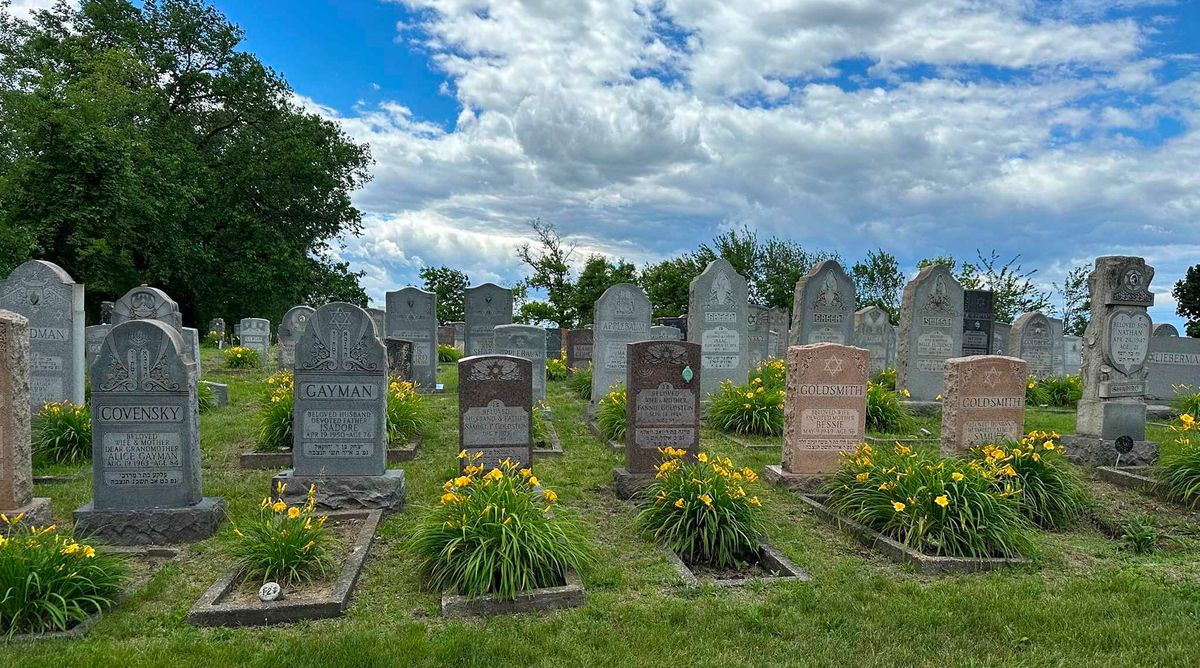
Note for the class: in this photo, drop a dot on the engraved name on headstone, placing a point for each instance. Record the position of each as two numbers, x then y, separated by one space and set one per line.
495 401
717 321
528 342
1032 340
758 328
487 306
53 304
255 333
977 322
579 348
823 306
930 332
984 402
825 406
622 316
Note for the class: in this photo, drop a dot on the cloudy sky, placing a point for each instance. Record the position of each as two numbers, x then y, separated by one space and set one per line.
1058 130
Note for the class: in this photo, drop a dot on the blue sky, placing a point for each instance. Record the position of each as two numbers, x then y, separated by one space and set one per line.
1058 130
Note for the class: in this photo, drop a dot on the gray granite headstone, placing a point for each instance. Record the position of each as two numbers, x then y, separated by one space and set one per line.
717 321
873 331
217 326
291 326
1165 329
1072 354
665 333
554 342
191 338
16 463
579 348
400 358
622 317
412 316
824 305
53 304
780 322
106 311
758 328
379 317
1173 361
529 342
679 322
237 329
340 386
1001 333
930 332
495 402
255 333
446 335
977 322
662 383
147 303
93 337
1057 349
460 334
1032 341
487 306
146 486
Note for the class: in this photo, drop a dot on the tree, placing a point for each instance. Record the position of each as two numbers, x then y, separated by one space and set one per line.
598 275
666 285
1187 299
781 263
449 286
139 145
1013 292
1077 301
878 281
550 264
739 247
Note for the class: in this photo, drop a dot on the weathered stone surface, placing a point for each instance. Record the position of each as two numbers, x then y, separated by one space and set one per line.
529 342
106 311
447 335
622 317
93 340
16 463
873 331
460 334
579 348
1057 348
412 316
679 322
824 305
379 319
217 326
1032 340
147 303
291 326
1072 354
487 306
220 392
151 526
340 386
758 328
495 402
665 333
780 321
385 491
52 302
1172 361
399 358
984 402
977 322
930 332
825 409
1164 329
1001 333
662 382
554 342
191 339
255 333
1102 452
717 302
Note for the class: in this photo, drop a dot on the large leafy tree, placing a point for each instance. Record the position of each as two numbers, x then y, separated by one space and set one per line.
1076 308
666 285
139 145
1187 299
878 281
549 262
1013 291
598 275
449 286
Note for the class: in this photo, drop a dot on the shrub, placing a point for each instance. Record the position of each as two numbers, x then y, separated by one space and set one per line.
581 382
886 378
1036 393
206 398
1186 401
406 412
886 412
1062 391
50 582
1046 488
1140 535
211 340
448 353
275 414
62 433
747 409
1178 469
699 508
612 417
556 368
773 374
494 533
241 357
947 507
287 544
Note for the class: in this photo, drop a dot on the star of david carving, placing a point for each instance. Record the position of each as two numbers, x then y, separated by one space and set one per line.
340 318
833 365
991 377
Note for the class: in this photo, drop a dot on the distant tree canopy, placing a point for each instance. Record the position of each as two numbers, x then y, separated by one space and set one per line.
138 145
1013 292
1187 299
449 287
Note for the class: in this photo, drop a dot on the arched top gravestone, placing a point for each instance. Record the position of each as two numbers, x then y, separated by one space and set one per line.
147 303
1032 339
931 330
622 317
495 401
823 306
291 326
529 342
717 304
412 316
485 307
52 302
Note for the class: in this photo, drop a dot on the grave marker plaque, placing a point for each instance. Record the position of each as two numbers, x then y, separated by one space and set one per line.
400 358
1173 361
665 333
758 327
779 323
977 322
255 334
873 331
147 303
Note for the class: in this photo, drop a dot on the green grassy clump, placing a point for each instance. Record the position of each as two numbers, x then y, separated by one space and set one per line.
285 544
492 532
580 382
241 357
755 408
886 412
275 414
1178 468
407 414
612 417
448 354
1046 487
1186 400
1062 391
556 368
62 433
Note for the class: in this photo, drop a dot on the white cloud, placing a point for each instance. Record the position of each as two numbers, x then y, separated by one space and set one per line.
641 126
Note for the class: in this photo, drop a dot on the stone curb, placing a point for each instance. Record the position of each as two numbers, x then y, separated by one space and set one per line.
769 557
551 447
570 595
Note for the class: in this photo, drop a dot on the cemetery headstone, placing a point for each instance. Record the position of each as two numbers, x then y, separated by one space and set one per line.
217 326
460 335
446 335
930 332
717 321
873 331
220 392
1057 347
1032 340
758 328
191 338
1116 345
412 316
1073 354
1164 329
93 337
824 305
1173 362
1001 332
662 381
147 303
665 333
579 348
528 342
622 317
16 459
495 400
780 320
977 322
825 411
554 342
106 311
984 402
487 306
679 322
53 305
379 319
255 333
399 358
340 415
237 329
146 487
291 326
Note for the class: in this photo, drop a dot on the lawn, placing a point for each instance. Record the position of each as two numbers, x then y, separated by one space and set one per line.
1084 601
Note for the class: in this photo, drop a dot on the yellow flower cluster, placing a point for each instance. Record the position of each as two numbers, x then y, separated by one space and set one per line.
1186 423
726 471
33 539
280 385
402 389
457 489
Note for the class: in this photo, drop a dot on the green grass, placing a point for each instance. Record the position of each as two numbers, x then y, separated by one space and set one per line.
1086 601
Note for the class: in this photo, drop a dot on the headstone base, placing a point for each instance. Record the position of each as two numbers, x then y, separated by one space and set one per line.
345 492
925 408
34 514
797 482
627 485
1111 419
151 526
1092 451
